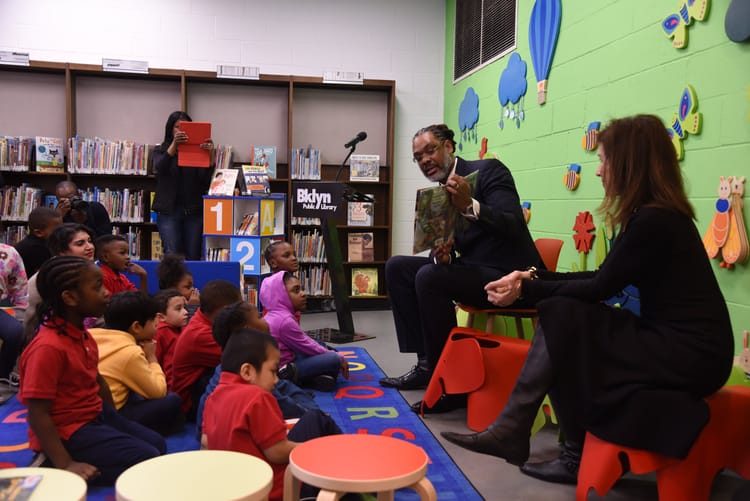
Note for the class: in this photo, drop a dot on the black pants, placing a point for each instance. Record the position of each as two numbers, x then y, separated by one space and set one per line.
423 296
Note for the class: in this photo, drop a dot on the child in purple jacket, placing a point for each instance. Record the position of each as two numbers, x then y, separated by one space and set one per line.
317 367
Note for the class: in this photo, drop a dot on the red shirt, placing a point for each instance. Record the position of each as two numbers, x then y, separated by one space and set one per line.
242 417
115 282
194 352
166 338
61 368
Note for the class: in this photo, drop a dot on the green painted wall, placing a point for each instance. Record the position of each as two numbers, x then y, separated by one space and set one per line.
612 60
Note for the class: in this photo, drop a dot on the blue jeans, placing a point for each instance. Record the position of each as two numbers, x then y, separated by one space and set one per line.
309 366
11 332
181 233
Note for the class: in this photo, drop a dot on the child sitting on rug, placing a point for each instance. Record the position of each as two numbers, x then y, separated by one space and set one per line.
293 401
196 353
113 253
173 274
171 317
241 414
71 415
317 367
127 361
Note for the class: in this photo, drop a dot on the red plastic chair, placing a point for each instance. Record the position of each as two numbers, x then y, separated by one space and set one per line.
723 443
483 365
549 250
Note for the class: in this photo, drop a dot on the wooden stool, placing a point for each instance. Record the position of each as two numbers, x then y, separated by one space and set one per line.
723 443
339 464
55 484
196 475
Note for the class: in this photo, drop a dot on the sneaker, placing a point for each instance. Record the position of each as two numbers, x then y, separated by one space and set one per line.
289 372
323 383
11 383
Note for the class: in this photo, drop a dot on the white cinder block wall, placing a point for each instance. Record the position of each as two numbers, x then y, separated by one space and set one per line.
401 40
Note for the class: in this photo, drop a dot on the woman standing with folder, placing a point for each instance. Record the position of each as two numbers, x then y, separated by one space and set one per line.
179 191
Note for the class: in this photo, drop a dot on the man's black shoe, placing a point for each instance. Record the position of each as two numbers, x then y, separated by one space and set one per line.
416 379
445 403
563 470
323 383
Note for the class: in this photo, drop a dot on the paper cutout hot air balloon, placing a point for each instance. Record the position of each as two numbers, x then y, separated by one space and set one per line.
685 121
544 27
572 177
591 139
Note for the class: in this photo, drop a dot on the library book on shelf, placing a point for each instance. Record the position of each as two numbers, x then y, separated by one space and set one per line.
265 156
364 281
49 154
364 168
361 248
223 182
360 213
254 180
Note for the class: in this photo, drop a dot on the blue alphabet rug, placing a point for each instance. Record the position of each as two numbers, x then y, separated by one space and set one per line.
360 405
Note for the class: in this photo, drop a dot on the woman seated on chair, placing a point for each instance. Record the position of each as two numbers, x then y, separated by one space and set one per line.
635 381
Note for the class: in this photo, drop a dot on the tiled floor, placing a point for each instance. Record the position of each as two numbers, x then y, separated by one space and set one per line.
494 478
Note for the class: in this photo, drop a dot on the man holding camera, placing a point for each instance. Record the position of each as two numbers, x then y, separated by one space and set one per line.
75 210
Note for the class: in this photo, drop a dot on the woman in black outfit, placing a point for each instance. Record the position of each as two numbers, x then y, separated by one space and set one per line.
179 193
635 381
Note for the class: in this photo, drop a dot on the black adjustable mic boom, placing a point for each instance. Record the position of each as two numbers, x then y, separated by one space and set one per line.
361 136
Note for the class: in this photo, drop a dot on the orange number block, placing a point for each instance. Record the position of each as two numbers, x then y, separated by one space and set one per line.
217 216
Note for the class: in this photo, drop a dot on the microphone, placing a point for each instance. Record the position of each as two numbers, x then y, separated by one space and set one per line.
361 136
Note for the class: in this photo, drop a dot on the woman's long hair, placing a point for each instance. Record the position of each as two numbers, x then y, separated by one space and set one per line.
642 169
169 128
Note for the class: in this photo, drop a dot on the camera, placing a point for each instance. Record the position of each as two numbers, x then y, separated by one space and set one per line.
78 203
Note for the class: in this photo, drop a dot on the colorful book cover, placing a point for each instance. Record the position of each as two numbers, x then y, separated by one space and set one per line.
434 216
360 213
364 281
49 154
50 201
364 168
157 251
223 182
266 156
361 247
255 180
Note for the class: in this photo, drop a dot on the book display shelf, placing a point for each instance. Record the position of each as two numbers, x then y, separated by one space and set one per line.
239 228
65 100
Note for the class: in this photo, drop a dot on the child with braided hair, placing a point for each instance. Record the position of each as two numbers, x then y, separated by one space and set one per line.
71 415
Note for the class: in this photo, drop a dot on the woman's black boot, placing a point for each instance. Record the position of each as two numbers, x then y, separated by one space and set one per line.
508 436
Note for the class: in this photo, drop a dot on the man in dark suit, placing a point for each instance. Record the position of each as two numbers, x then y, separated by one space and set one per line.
491 239
74 210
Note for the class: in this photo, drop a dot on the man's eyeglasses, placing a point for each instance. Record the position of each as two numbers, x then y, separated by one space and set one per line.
429 151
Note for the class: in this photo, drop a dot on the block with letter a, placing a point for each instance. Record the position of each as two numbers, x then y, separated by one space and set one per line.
267 217
217 216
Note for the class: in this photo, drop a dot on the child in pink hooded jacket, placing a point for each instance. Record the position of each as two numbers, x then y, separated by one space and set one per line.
317 367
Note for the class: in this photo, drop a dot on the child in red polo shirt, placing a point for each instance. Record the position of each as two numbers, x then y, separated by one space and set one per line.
242 415
70 410
171 318
196 353
113 253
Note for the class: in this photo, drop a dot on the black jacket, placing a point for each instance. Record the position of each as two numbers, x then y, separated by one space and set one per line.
178 188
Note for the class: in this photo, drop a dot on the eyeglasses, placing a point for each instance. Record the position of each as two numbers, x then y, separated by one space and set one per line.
429 151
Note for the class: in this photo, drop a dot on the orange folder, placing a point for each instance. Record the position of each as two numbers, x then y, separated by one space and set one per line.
191 154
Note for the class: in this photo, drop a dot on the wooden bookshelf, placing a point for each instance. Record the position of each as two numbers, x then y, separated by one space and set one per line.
64 99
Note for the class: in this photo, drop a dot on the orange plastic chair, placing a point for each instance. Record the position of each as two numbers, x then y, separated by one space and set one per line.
549 250
723 443
483 365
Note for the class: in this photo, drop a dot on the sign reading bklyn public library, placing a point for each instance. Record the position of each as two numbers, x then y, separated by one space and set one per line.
317 199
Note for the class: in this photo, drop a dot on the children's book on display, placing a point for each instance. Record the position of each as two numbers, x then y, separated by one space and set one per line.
255 180
364 281
266 156
361 247
364 168
360 213
49 154
223 182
